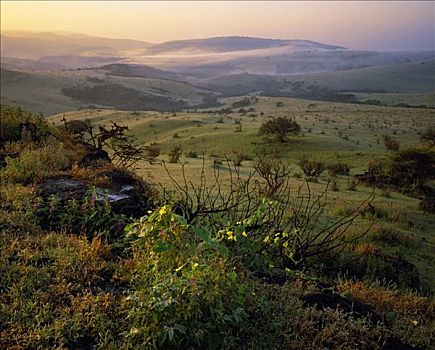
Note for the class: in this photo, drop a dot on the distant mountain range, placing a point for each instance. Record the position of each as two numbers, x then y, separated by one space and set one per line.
232 43
38 45
48 72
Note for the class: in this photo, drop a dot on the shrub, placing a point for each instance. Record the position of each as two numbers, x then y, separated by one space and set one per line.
407 170
338 169
352 184
196 299
392 236
242 103
192 154
428 136
390 143
311 167
153 151
238 126
239 157
411 168
274 172
175 154
273 224
280 128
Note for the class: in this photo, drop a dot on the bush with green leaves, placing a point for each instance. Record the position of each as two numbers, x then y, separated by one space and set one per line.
280 128
407 170
186 294
279 226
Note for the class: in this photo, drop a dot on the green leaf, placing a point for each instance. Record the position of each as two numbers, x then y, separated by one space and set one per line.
162 247
203 234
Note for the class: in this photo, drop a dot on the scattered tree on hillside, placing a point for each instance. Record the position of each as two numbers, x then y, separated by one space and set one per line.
175 154
390 143
312 167
280 127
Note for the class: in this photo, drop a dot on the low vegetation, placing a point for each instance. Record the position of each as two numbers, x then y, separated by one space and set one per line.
238 253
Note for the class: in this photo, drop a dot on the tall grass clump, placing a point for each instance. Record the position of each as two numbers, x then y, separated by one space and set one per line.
33 164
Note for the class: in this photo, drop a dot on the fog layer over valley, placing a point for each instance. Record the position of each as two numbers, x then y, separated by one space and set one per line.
82 70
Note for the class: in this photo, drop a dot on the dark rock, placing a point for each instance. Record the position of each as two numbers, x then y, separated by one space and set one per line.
64 188
93 156
86 342
394 269
427 203
125 193
397 344
2 160
330 299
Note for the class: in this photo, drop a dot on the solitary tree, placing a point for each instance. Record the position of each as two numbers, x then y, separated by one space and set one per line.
280 127
390 143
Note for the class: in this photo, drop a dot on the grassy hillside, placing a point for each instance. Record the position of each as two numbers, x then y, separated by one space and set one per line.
407 78
63 91
217 257
38 92
331 132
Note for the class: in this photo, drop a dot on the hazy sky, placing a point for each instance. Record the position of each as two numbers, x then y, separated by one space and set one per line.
361 25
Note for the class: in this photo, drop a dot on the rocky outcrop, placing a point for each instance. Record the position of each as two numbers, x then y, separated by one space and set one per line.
333 300
394 269
93 157
125 193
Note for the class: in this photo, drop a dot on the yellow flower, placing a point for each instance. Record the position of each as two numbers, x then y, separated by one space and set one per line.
231 236
195 265
163 210
244 234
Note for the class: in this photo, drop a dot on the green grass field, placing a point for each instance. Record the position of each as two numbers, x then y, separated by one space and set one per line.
331 132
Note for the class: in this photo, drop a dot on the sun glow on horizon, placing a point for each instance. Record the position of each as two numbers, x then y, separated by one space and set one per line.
359 25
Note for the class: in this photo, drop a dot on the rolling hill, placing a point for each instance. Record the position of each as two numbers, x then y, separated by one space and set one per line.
232 43
405 77
36 45
56 92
